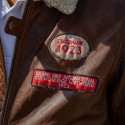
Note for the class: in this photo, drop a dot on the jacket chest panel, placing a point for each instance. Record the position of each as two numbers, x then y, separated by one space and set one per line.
56 104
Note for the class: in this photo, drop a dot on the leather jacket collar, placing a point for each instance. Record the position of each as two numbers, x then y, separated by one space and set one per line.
65 6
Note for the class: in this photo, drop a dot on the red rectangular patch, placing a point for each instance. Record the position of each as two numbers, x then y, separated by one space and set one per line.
66 81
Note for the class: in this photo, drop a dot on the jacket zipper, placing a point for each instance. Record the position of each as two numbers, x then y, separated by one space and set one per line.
12 65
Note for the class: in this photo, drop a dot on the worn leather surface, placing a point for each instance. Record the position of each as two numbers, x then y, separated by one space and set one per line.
102 23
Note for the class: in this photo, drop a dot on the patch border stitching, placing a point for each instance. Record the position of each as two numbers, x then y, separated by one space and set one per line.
65 58
72 74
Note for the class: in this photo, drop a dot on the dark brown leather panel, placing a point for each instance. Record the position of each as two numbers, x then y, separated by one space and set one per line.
117 99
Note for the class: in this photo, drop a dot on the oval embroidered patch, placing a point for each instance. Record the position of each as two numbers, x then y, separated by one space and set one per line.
69 46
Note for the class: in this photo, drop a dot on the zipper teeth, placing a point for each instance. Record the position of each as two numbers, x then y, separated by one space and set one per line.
8 85
11 68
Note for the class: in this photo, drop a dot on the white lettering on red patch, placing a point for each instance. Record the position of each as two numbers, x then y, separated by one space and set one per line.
65 81
69 46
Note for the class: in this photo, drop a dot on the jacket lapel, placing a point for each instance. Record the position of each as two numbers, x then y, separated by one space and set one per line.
64 6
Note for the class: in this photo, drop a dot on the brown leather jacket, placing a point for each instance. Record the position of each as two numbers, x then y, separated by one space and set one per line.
102 24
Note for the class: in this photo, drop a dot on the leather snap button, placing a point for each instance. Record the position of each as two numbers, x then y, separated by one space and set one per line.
14 26
11 25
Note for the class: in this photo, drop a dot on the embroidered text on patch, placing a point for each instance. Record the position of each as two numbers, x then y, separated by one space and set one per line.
69 46
66 81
